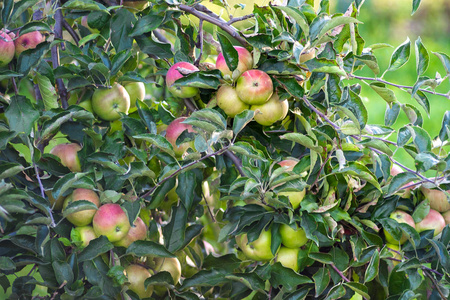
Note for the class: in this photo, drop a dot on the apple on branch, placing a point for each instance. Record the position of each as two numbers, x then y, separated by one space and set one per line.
68 155
83 235
271 111
28 41
111 221
401 217
292 236
254 87
174 74
288 257
245 63
137 232
259 249
7 49
84 217
136 91
433 221
108 104
438 199
229 102
137 275
174 130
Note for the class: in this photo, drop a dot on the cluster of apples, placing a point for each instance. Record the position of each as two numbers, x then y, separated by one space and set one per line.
10 45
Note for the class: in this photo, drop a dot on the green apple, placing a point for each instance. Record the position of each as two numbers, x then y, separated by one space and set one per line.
27 41
87 105
433 221
446 216
136 91
108 104
68 155
83 235
169 264
137 232
271 111
111 221
401 217
259 249
229 102
288 257
254 87
137 275
438 199
292 237
84 217
136 5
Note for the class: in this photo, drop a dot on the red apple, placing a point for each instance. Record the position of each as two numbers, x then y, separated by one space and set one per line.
83 234
137 275
84 217
109 103
254 87
67 153
7 49
438 199
245 63
137 232
229 102
111 221
28 41
174 130
433 221
289 164
174 74
401 217
270 111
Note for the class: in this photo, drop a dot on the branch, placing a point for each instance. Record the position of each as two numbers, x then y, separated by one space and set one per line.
238 19
200 41
340 273
16 90
72 32
189 104
436 285
237 162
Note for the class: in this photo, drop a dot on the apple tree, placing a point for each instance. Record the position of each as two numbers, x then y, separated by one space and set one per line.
160 149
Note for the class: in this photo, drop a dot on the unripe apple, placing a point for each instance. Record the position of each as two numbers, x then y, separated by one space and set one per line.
137 275
87 105
288 257
174 74
57 204
438 199
401 217
229 102
446 216
109 103
28 41
137 232
67 153
136 91
111 221
254 87
396 255
84 217
259 249
292 238
168 264
245 62
270 111
83 234
294 197
7 49
174 130
433 221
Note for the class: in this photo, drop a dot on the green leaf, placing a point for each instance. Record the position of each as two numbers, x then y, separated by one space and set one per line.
157 141
20 7
146 24
121 26
9 169
428 160
6 74
442 252
353 107
7 264
445 59
151 47
387 94
421 138
281 276
7 8
421 81
324 258
250 280
162 278
119 61
400 55
372 268
303 140
71 180
359 288
205 278
370 61
324 65
422 99
83 5
143 248
229 52
413 114
76 206
415 6
241 120
202 80
336 292
399 181
377 144
421 211
391 114
48 92
422 57
297 16
21 115
34 26
63 272
210 115
321 280
334 22
174 231
31 58
96 247
444 133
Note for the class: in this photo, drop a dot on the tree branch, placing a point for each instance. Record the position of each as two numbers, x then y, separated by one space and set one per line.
72 32
238 19
200 42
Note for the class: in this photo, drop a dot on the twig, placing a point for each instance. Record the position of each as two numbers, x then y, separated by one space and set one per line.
16 90
189 104
436 285
72 32
238 19
340 273
56 292
200 41
237 162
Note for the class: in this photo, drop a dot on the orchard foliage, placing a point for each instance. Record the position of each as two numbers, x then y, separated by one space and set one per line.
228 187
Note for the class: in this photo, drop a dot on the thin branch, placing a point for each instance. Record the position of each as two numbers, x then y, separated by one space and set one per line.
238 19
16 90
436 285
72 32
237 162
189 104
340 273
200 41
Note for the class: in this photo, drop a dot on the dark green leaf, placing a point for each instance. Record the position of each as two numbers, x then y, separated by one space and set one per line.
281 276
421 138
400 55
119 61
229 52
399 181
321 279
372 268
391 114
428 160
303 140
95 248
63 272
121 26
241 120
250 280
442 252
444 133
161 278
6 12
34 26
31 58
421 211
358 288
199 79
157 141
174 231
48 92
422 57
143 248
415 6
371 62
9 170
336 292
21 115
146 24
445 59
7 264
205 278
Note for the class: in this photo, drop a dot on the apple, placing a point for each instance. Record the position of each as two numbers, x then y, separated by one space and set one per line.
83 234
111 221
174 130
7 49
229 102
288 257
401 217
254 87
270 111
245 63
137 275
28 41
87 105
292 238
137 5
136 91
446 216
259 249
137 232
295 198
395 247
67 153
433 221
109 103
168 264
438 199
84 217
57 204
174 74
307 55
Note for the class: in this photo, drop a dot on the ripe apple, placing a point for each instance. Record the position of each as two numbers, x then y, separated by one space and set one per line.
83 234
137 232
446 216
136 91
288 257
229 102
174 130
433 221
7 49
111 221
259 249
67 153
438 199
401 217
84 217
254 87
174 74
28 41
245 63
271 111
292 238
109 103
137 275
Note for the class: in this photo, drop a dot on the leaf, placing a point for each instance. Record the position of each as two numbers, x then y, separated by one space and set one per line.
400 55
6 74
334 22
160 278
9 169
119 61
370 61
250 280
413 114
229 53
286 277
421 211
359 288
297 16
206 278
21 115
241 120
157 141
20 7
428 160
336 292
421 81
321 280
302 140
399 181
442 252
31 58
415 6
34 26
445 60
71 180
146 24
77 206
63 272
324 65
421 138
83 5
144 248
353 107
391 114
121 26
422 56
48 92
7 264
96 247
202 80
372 268
212 116
174 231
422 99
387 94
6 13
444 133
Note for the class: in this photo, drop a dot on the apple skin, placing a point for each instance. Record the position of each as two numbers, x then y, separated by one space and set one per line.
270 111
28 41
292 238
137 275
434 220
438 199
446 216
168 264
396 255
174 130
57 204
136 91
259 249
254 87
245 62
109 103
137 232
84 217
67 153
111 221
289 164
87 105
229 102
7 49
173 74
86 234
288 257
401 217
